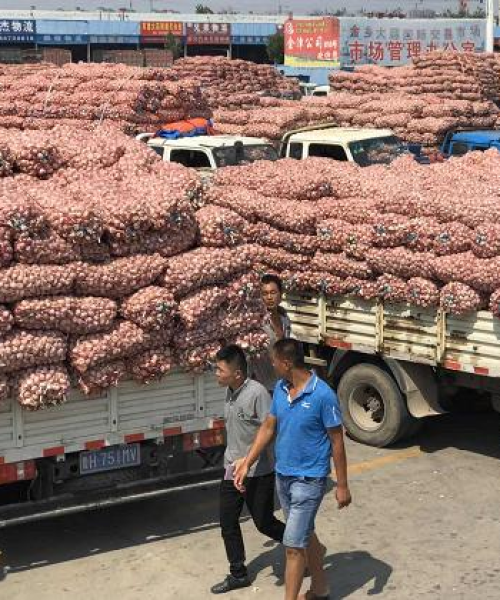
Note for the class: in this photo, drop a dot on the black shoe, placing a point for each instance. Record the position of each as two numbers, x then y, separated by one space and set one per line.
231 583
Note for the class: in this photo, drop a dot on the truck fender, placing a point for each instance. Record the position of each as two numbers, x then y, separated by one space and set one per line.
419 385
335 362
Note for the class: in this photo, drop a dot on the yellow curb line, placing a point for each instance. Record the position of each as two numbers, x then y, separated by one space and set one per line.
382 461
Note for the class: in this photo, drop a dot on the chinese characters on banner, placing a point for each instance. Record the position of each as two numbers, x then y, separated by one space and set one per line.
390 42
153 32
202 34
312 42
17 30
161 28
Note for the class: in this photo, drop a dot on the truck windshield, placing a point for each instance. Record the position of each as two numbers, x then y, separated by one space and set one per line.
230 156
377 151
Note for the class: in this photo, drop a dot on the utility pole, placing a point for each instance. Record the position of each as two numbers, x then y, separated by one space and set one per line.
490 25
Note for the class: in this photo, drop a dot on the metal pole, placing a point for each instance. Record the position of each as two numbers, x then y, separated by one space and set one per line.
490 25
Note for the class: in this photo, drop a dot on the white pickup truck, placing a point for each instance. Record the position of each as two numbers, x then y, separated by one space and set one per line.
393 365
364 147
133 442
210 152
312 89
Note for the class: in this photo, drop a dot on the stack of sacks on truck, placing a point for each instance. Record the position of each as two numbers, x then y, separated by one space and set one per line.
275 208
421 102
421 119
450 75
271 118
422 235
250 99
234 83
97 273
135 99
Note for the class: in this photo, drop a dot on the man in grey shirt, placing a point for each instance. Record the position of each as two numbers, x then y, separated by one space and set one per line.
277 326
247 407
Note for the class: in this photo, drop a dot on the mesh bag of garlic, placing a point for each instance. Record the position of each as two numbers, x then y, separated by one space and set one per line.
218 314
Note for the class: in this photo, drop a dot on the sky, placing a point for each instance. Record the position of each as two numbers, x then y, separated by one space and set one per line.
265 6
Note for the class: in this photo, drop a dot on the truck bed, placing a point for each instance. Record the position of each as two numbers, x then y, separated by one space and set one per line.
469 343
179 403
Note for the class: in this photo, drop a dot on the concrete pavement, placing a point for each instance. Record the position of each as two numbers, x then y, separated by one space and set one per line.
425 523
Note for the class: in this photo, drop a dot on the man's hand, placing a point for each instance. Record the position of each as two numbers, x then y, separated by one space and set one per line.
343 496
237 464
240 474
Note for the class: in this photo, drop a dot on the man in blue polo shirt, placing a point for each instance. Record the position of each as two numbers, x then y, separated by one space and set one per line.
305 415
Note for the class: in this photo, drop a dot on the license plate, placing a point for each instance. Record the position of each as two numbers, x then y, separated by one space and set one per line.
109 459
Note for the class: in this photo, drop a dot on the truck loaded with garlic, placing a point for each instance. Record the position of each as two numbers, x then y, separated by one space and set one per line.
393 276
111 310
121 276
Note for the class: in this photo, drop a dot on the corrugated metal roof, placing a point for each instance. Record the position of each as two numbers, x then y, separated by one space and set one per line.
137 17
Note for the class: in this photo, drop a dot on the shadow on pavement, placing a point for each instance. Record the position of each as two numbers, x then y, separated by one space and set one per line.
273 559
347 571
350 571
473 432
63 539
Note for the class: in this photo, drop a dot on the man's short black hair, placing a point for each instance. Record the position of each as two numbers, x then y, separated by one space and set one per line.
291 350
233 355
270 278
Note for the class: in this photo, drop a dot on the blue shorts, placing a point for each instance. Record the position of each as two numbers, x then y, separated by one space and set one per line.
300 498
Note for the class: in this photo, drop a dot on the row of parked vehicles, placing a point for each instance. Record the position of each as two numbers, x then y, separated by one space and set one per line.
364 147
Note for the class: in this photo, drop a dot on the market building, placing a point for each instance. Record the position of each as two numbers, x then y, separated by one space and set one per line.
313 46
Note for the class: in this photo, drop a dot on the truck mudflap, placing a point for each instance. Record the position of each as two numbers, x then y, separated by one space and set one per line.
68 504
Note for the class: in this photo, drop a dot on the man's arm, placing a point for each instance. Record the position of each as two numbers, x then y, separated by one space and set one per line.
340 462
263 438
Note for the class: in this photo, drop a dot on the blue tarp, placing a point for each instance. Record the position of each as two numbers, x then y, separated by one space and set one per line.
175 134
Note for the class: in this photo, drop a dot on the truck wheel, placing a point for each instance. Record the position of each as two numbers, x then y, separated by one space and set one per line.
373 406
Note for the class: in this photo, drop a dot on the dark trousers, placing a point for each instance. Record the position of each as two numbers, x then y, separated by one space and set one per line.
259 498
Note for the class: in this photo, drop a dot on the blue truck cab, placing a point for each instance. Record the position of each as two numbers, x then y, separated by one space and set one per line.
458 143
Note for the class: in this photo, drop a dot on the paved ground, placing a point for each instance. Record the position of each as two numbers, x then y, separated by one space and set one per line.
425 524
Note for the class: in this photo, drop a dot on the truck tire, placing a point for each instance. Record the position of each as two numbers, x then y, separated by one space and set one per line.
374 409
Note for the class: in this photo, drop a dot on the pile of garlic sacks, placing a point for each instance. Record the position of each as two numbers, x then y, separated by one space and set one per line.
446 74
100 276
440 91
135 99
406 233
234 83
419 102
